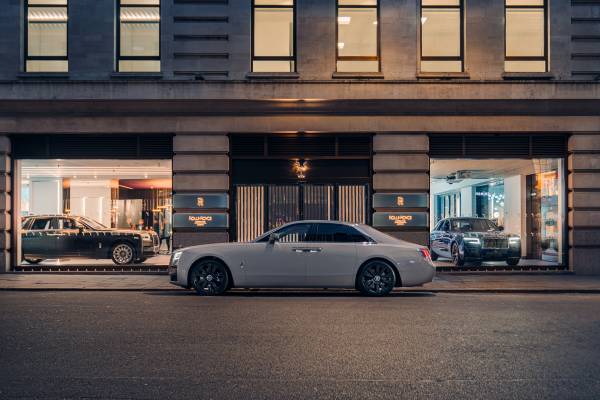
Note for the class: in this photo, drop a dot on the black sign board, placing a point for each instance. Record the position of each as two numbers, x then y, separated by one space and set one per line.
201 201
400 219
200 221
400 200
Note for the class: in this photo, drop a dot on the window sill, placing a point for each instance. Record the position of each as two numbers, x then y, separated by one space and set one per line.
443 75
528 75
357 75
272 75
43 75
136 75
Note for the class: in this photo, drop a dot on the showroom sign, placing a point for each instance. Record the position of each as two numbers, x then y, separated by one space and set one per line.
400 200
200 221
200 201
400 219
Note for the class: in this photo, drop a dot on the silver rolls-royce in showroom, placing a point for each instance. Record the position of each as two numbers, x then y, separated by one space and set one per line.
305 254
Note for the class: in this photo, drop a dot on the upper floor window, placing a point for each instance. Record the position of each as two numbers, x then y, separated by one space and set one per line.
526 36
46 36
273 36
139 36
442 36
357 36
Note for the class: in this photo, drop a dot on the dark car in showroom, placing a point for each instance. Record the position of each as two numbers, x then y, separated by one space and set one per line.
64 236
474 240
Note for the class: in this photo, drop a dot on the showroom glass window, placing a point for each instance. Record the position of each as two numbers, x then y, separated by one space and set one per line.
46 36
273 36
139 36
357 36
526 36
442 28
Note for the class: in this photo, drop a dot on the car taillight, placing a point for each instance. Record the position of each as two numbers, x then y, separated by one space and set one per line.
425 253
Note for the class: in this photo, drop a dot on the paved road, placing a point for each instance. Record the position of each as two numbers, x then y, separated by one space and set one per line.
277 346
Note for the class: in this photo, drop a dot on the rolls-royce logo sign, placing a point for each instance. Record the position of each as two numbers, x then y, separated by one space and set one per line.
400 220
200 220
200 202
400 201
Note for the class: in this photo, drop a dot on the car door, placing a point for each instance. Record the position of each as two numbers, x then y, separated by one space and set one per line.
73 241
39 241
278 264
445 239
332 255
438 238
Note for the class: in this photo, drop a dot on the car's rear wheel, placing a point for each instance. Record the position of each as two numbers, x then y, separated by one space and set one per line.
123 253
512 261
376 278
209 278
457 259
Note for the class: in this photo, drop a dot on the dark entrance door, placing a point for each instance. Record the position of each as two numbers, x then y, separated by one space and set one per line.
260 208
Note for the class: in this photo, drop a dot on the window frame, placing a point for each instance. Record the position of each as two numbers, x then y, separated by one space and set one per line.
337 35
120 57
317 227
294 57
26 56
461 57
546 44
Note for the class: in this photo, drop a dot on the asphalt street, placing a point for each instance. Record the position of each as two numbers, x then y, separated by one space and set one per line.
254 345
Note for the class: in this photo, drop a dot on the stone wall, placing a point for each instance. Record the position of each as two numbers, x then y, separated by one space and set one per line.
584 203
5 204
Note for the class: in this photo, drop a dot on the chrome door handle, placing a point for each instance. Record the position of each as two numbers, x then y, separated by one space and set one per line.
318 250
298 250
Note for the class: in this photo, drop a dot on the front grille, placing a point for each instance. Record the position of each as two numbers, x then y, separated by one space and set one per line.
495 243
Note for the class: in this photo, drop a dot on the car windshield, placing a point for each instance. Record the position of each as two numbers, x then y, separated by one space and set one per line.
473 225
91 224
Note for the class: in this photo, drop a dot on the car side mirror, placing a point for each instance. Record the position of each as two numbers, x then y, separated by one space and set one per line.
500 228
274 237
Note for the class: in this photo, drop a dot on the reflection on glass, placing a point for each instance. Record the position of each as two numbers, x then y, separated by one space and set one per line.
525 196
139 44
73 209
357 47
273 36
441 30
47 36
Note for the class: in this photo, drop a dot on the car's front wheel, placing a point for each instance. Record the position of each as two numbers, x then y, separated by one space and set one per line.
123 253
457 259
209 278
376 278
512 261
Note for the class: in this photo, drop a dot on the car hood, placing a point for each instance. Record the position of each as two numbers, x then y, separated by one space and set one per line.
489 235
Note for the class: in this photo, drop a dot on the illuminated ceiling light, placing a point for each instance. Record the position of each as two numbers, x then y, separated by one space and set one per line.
423 20
341 45
344 20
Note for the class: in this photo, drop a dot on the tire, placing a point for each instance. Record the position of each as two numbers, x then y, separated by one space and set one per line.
141 260
122 253
209 278
513 261
376 278
457 259
434 255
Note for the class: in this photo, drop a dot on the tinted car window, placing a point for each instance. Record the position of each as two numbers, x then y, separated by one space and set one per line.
68 223
40 224
294 233
337 233
473 225
445 226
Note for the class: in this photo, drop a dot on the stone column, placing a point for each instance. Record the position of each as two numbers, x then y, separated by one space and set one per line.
401 165
200 165
584 203
5 204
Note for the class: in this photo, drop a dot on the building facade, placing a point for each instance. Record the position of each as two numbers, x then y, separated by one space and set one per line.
216 120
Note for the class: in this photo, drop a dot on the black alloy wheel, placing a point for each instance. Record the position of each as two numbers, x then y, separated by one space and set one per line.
457 259
376 278
209 278
513 261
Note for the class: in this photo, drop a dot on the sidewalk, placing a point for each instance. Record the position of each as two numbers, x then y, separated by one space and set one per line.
444 282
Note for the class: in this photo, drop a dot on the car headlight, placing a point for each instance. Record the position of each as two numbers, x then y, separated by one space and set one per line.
470 240
176 257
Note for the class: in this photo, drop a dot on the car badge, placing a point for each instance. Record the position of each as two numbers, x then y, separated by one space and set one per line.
200 201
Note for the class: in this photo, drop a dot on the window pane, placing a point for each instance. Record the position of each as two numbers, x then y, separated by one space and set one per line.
47 31
440 32
358 66
47 66
47 2
524 33
139 66
357 32
441 66
274 2
357 2
524 2
140 39
140 2
440 2
273 66
273 32
525 66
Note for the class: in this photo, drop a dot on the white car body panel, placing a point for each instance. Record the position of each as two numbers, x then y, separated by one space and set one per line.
308 264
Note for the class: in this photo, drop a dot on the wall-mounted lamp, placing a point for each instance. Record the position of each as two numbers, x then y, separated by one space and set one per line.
300 167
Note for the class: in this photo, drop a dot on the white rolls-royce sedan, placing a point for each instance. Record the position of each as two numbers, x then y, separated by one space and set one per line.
305 254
